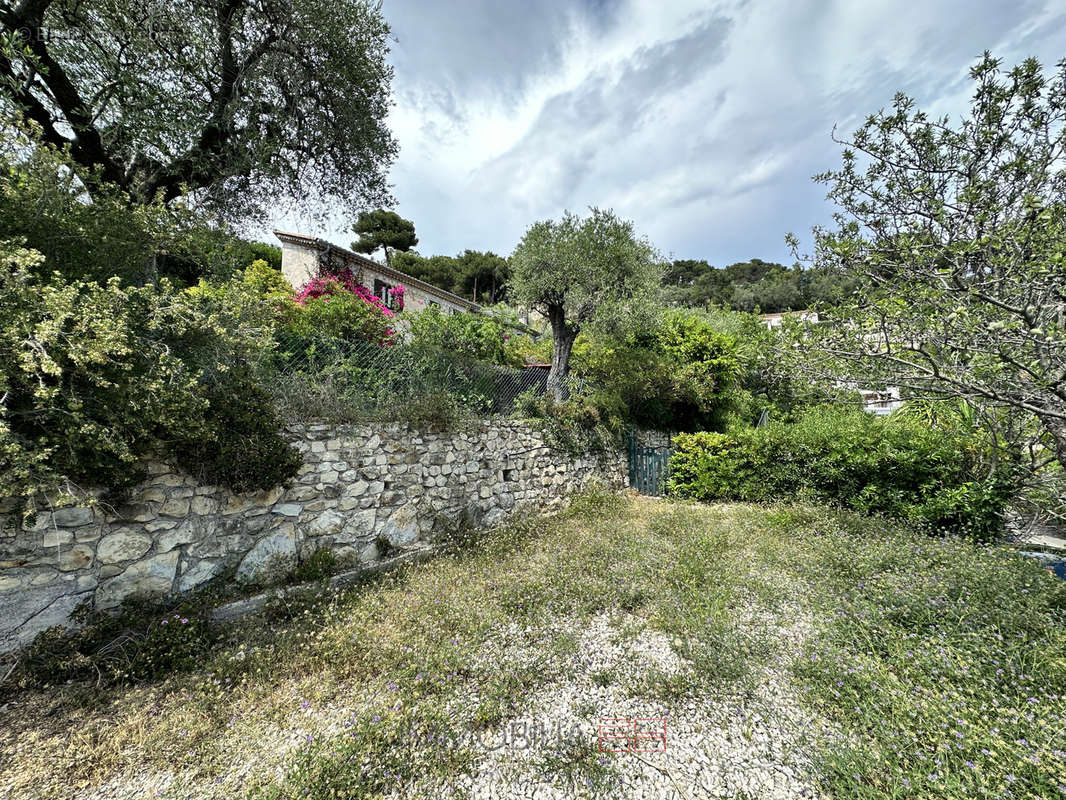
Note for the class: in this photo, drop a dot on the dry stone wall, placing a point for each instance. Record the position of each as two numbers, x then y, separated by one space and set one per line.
361 490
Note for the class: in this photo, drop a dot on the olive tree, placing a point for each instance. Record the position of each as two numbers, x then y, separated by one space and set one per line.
242 102
957 236
576 270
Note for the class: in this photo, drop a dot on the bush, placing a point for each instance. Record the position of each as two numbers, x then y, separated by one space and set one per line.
476 336
929 477
45 206
674 373
93 377
143 641
240 446
335 305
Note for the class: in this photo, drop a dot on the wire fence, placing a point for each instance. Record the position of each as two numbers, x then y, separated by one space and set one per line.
341 380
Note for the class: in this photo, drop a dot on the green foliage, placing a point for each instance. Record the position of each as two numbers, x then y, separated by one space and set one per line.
94 377
143 641
244 107
478 276
384 229
754 285
266 280
478 336
575 426
341 315
956 231
676 373
577 270
99 235
438 410
239 445
321 565
926 476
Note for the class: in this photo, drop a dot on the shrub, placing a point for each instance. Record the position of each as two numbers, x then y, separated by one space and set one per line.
335 305
674 373
240 446
928 477
92 377
143 641
44 204
477 336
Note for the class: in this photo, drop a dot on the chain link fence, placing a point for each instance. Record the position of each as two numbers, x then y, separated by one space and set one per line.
341 380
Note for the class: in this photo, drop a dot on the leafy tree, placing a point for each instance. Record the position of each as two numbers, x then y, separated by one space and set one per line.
479 276
958 236
478 336
384 229
483 276
675 372
753 285
245 103
44 205
577 269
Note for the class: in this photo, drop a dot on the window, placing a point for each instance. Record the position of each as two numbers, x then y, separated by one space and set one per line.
383 291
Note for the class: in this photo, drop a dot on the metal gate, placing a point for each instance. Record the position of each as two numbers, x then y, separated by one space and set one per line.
648 467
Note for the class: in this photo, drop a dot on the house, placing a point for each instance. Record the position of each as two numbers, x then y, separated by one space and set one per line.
303 257
772 321
880 402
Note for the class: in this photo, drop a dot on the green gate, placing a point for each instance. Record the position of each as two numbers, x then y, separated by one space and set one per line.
648 467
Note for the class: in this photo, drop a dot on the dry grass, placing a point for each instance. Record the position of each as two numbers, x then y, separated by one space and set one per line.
321 702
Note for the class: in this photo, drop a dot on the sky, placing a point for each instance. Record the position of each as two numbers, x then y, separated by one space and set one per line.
703 123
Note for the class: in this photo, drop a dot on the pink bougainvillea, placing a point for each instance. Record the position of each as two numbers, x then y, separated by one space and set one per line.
329 283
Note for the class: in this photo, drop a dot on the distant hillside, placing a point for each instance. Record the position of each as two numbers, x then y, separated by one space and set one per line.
751 285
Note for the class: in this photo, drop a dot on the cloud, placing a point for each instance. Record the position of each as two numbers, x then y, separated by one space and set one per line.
703 124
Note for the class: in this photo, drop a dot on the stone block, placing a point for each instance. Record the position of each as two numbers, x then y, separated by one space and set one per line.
401 528
324 523
196 574
56 538
203 505
123 545
175 507
191 530
72 517
271 557
152 577
73 558
288 509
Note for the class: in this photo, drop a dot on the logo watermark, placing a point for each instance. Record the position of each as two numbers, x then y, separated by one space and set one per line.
631 735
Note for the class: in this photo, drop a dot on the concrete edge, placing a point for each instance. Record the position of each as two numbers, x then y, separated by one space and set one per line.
235 609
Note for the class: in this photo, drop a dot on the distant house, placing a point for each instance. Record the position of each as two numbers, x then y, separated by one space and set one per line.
303 257
879 402
772 321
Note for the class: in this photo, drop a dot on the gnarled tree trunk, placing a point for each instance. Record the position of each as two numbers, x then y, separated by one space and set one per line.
563 336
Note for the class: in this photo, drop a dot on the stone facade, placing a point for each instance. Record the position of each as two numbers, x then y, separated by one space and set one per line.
303 257
360 490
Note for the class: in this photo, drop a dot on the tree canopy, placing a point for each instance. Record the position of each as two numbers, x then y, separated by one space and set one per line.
480 276
755 284
245 103
957 234
383 229
573 270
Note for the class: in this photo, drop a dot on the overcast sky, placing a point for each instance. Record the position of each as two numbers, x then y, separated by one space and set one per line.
701 122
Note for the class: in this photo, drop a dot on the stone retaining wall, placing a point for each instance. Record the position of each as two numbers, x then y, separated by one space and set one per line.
361 490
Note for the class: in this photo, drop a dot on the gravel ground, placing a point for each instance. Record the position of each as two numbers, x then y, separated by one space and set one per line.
751 743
